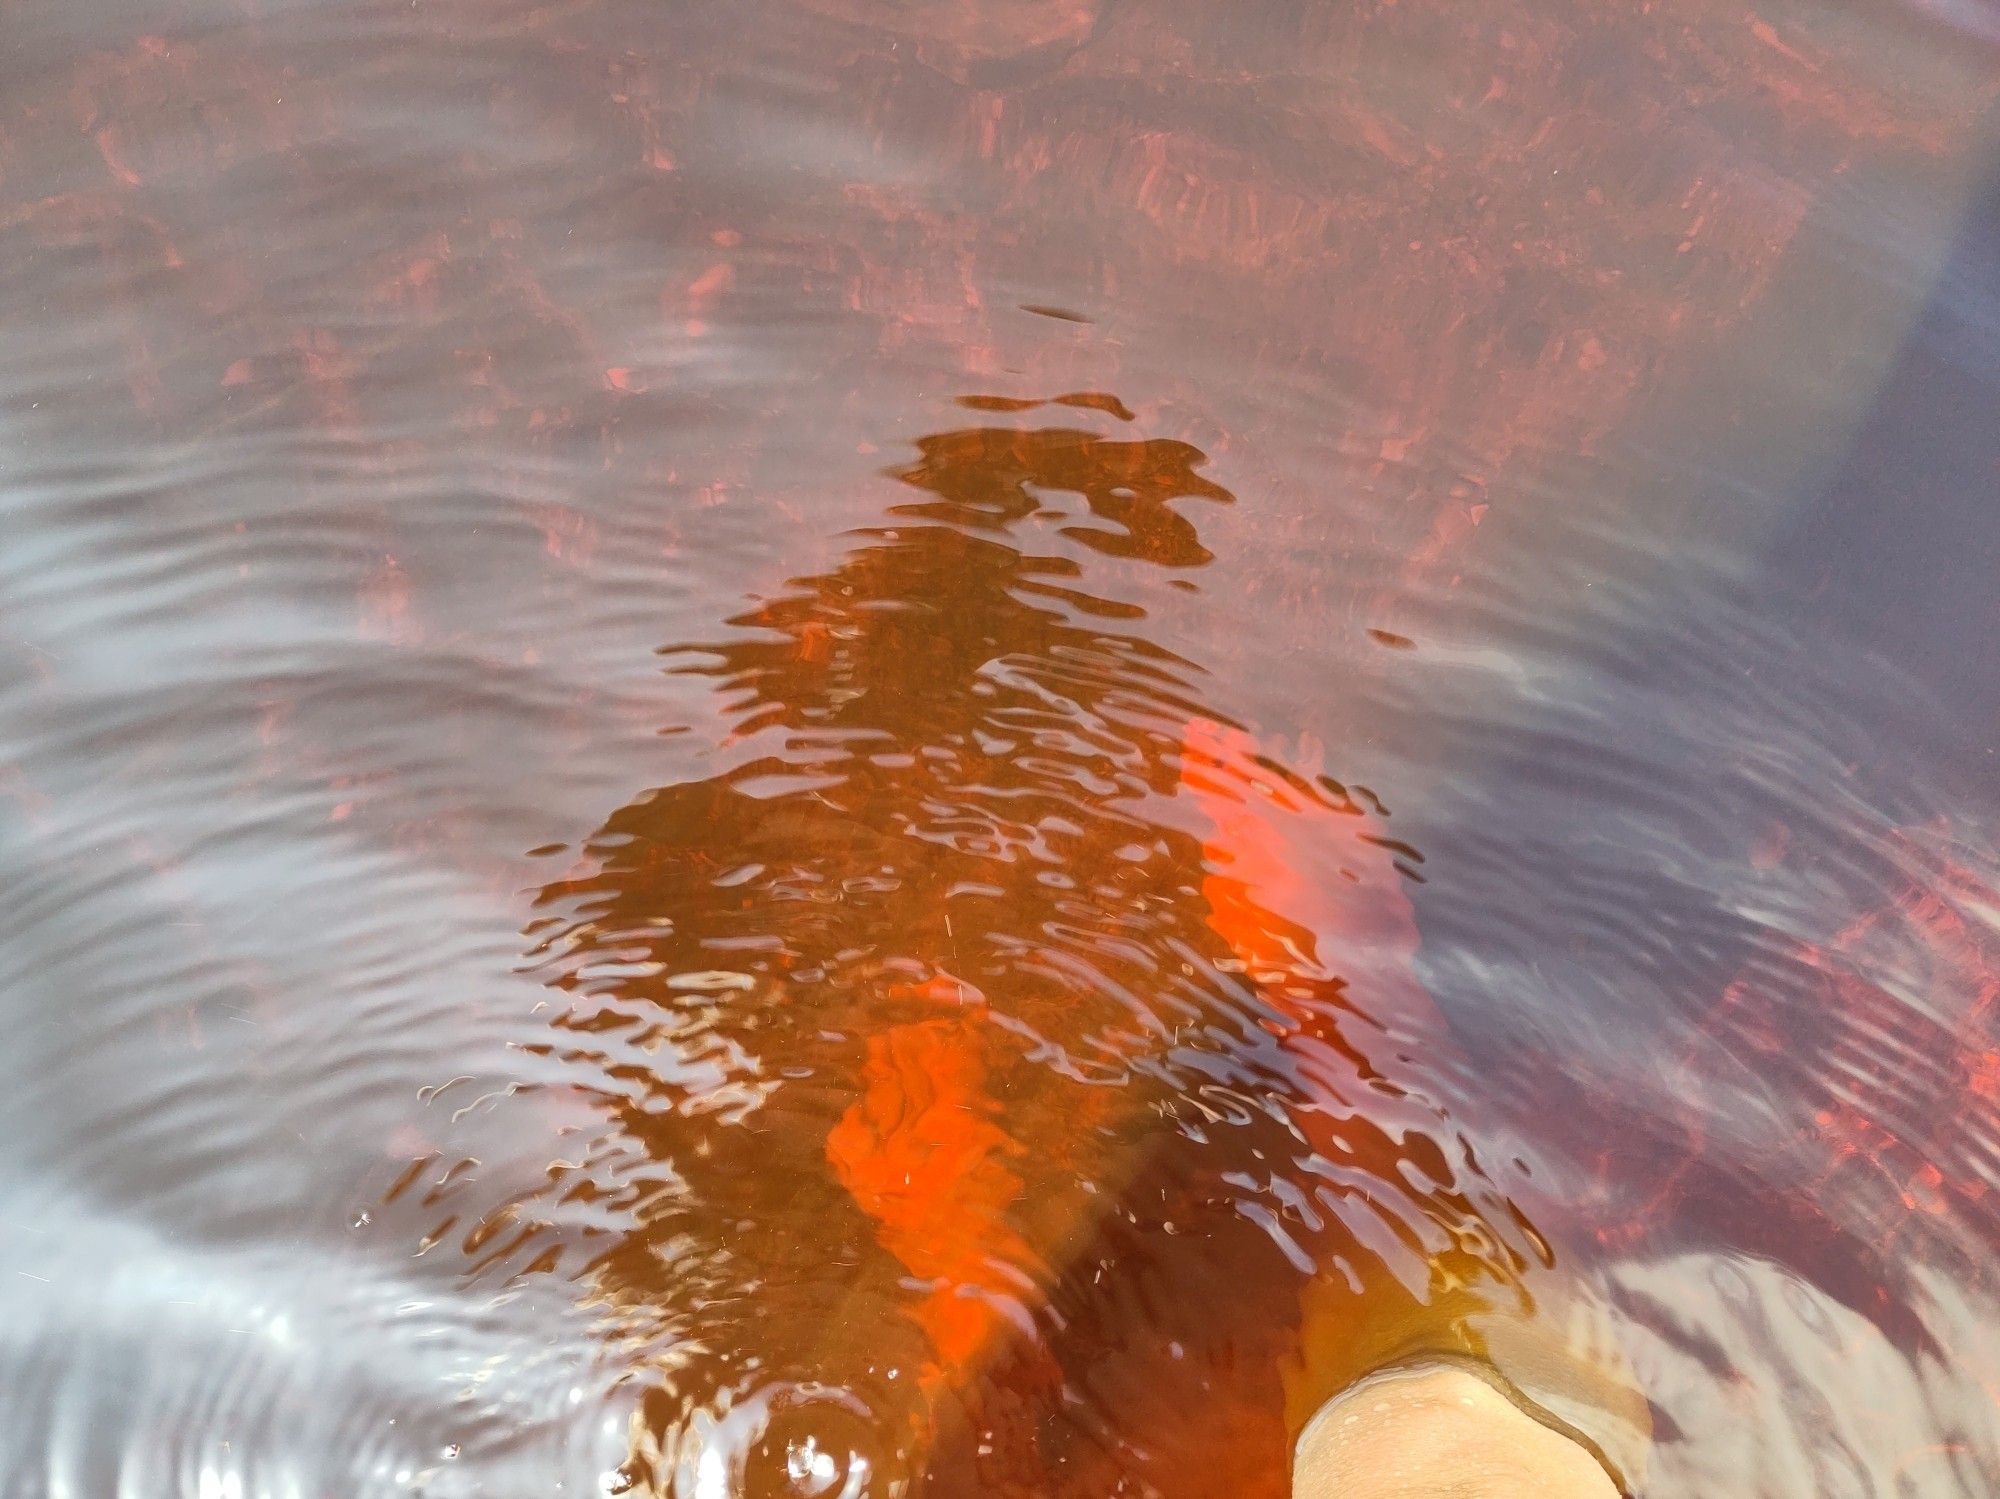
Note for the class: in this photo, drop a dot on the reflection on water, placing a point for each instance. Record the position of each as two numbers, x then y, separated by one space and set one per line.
933 1012
1381 730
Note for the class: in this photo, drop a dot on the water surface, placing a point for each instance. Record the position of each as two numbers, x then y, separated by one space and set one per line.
861 748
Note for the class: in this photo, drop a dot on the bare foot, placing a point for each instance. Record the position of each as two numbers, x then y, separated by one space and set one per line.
1436 1431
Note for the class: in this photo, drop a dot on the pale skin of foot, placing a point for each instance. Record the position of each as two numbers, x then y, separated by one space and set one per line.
1438 1433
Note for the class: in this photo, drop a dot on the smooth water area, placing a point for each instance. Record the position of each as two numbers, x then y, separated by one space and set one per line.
875 747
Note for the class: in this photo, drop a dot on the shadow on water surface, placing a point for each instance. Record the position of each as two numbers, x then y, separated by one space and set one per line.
990 1058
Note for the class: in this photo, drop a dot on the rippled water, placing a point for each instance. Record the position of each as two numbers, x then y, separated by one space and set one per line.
867 748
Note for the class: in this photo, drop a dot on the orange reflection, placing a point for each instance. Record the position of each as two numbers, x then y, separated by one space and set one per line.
921 1154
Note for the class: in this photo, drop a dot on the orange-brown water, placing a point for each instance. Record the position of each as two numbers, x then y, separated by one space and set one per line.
990 985
942 748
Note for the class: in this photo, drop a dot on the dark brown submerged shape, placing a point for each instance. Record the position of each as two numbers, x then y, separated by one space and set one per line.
950 1039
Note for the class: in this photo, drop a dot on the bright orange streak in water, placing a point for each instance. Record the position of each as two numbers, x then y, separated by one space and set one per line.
920 1149
924 1158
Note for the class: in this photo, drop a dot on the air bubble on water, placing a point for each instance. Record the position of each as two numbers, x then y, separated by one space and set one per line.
362 1219
806 1463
